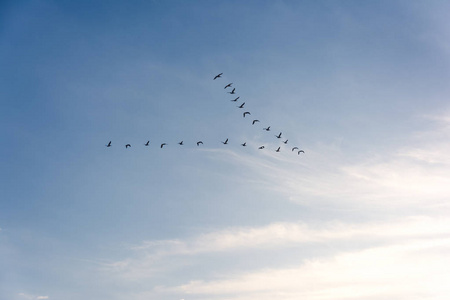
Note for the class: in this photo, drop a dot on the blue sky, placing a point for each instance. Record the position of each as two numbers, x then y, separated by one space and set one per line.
361 87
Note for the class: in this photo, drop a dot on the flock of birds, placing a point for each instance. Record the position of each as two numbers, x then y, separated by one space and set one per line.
244 114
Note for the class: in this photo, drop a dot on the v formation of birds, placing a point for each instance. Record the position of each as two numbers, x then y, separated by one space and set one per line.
230 90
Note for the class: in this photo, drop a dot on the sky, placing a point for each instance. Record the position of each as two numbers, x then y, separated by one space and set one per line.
360 86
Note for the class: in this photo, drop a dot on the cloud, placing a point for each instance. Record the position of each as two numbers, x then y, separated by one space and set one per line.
413 270
32 297
152 257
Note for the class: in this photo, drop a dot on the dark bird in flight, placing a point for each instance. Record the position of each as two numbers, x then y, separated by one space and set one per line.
127 145
180 143
244 144
246 113
234 100
267 129
294 148
109 144
262 147
254 121
278 150
279 136
301 151
199 142
232 92
217 76
163 144
146 144
242 105
285 141
226 142
228 85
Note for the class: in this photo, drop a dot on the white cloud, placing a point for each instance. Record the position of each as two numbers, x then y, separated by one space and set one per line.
153 256
32 297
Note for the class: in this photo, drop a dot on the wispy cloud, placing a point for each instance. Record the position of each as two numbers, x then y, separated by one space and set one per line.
32 297
413 270
147 258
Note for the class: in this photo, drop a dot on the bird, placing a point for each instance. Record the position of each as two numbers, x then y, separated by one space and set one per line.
244 144
246 113
146 144
242 105
232 92
301 151
294 148
234 100
217 76
262 147
109 144
285 141
226 142
163 144
267 129
180 143
228 85
279 136
254 121
199 142
278 150
127 145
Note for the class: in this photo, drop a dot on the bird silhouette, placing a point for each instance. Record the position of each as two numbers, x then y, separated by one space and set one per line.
294 148
127 145
217 76
228 85
301 151
278 150
234 100
262 147
146 144
242 105
285 141
246 113
199 142
163 144
244 144
109 144
254 121
279 136
267 129
226 142
180 143
232 92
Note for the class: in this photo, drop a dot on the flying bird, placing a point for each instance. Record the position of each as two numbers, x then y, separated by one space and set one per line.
180 143
232 92
226 142
246 113
279 136
163 144
267 129
242 105
278 150
217 76
228 85
146 144
301 151
244 144
109 144
294 148
199 142
262 147
285 141
254 121
234 100
127 145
